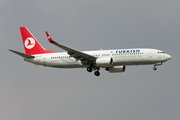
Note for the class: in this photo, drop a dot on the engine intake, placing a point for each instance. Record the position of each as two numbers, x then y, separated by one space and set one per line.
104 62
116 69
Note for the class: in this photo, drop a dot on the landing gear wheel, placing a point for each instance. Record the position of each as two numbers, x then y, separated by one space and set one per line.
154 68
97 73
89 69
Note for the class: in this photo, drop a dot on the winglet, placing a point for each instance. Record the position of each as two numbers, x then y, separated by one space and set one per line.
49 38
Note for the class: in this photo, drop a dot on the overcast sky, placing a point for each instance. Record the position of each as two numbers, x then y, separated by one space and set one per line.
29 92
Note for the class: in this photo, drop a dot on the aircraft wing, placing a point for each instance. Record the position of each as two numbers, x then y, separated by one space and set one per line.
78 55
22 54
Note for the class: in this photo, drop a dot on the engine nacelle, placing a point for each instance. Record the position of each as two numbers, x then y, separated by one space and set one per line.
104 62
116 69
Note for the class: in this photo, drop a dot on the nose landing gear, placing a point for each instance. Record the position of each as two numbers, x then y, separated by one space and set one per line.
154 68
157 64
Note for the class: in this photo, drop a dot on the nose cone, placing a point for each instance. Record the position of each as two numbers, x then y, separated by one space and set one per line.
168 57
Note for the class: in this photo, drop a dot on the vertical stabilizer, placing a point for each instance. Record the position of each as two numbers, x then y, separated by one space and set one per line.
31 45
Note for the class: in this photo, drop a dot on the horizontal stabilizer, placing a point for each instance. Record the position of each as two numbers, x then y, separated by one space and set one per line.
22 54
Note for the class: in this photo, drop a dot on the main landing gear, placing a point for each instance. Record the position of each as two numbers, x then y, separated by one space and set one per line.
89 69
97 73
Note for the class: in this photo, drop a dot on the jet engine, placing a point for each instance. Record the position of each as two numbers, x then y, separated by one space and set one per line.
116 69
104 62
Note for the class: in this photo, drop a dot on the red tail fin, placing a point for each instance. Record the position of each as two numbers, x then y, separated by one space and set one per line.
31 45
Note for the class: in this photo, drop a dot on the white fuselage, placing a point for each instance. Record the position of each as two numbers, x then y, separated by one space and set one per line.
136 56
114 61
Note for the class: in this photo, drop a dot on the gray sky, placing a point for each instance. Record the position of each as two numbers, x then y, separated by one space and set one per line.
29 92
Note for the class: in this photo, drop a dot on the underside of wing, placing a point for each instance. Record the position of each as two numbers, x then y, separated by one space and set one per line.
78 55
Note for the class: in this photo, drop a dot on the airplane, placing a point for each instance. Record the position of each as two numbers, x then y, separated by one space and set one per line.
114 60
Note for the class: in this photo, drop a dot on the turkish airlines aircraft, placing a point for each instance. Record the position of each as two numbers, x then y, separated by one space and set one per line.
111 60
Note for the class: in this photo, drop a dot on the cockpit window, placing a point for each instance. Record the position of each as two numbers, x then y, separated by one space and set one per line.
160 52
